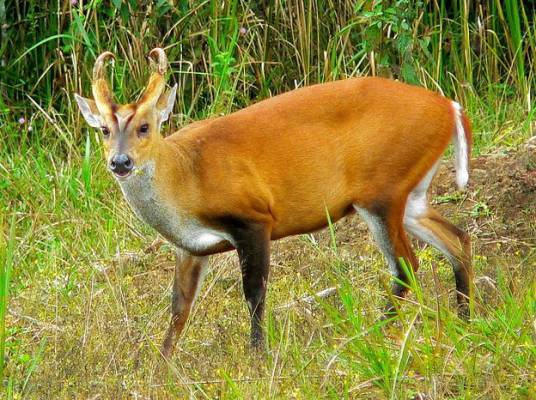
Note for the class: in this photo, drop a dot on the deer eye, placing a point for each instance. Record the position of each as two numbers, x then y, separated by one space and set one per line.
144 129
105 131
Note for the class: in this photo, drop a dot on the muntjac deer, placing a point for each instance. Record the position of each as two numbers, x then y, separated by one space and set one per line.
273 169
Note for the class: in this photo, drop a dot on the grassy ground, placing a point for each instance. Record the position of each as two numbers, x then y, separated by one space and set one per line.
88 306
83 306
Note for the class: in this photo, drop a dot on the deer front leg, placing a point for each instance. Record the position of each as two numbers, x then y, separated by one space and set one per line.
189 274
253 247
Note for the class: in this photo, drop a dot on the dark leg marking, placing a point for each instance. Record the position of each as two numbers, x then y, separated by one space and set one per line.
252 242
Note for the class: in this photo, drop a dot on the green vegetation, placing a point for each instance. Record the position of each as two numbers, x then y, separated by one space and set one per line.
84 308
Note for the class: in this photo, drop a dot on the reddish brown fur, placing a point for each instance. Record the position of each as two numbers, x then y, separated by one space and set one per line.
273 170
283 161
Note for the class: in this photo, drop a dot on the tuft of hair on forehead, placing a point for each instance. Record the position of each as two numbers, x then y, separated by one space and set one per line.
124 115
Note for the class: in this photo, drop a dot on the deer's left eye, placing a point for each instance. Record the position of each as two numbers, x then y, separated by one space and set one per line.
144 129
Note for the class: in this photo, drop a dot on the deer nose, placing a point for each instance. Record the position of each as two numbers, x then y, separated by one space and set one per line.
121 164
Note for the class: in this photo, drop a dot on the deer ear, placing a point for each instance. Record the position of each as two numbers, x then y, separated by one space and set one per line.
165 104
89 110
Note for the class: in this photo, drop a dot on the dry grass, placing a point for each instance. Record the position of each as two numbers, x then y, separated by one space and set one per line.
88 316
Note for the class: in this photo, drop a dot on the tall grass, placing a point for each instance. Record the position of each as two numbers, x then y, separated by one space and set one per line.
479 52
7 246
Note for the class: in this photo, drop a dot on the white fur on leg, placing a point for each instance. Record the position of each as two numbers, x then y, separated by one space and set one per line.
416 208
379 232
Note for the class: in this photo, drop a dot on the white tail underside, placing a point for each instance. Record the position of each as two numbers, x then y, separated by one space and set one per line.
460 149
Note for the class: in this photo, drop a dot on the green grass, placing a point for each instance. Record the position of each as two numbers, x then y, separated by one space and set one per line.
88 309
6 262
84 308
227 54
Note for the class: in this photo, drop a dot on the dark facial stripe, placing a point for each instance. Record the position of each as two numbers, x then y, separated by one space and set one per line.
128 120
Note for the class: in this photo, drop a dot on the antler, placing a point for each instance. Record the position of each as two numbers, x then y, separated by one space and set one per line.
157 81
99 64
101 90
159 56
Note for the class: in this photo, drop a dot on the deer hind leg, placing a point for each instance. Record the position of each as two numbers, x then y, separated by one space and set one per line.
189 274
387 229
426 224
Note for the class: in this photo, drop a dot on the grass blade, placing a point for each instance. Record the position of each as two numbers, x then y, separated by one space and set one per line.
7 249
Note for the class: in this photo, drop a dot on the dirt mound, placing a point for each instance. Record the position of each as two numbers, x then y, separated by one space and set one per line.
500 201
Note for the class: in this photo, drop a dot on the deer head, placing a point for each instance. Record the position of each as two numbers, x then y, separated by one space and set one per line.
129 131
